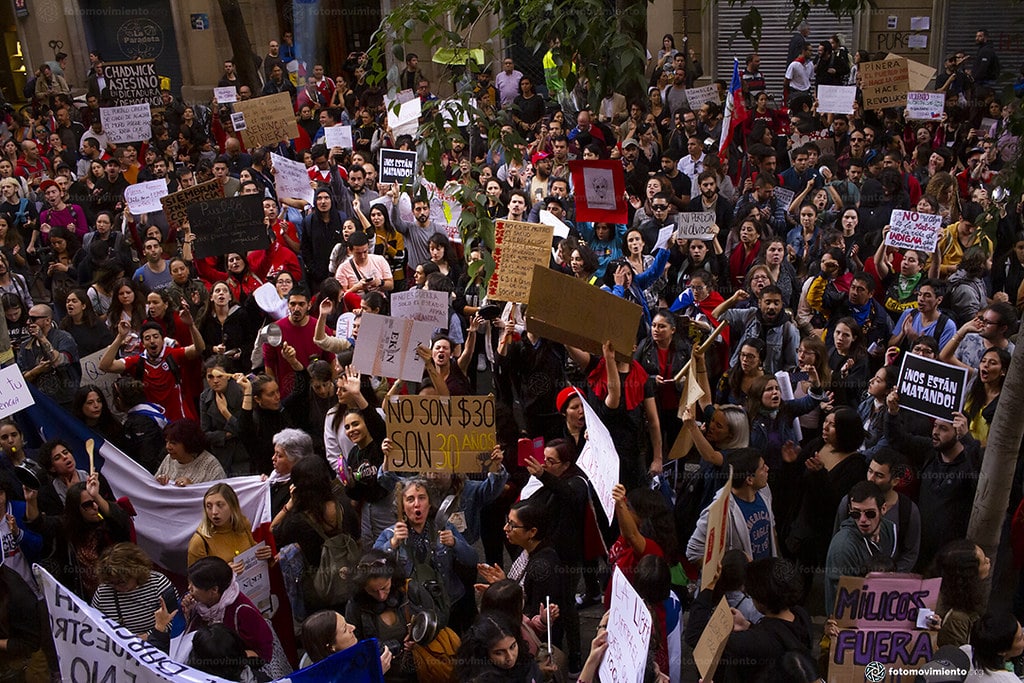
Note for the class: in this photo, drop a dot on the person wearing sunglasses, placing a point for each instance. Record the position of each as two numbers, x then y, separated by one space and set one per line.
864 537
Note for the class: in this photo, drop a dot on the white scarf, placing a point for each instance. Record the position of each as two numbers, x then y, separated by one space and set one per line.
214 614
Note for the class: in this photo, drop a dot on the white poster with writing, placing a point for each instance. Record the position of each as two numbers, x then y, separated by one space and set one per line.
599 459
422 306
130 123
225 95
387 347
145 197
255 578
291 178
913 230
338 136
925 106
629 634
836 99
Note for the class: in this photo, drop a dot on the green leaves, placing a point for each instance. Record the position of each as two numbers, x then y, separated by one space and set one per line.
750 25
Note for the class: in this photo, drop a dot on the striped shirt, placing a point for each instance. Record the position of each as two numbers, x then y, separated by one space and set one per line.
134 609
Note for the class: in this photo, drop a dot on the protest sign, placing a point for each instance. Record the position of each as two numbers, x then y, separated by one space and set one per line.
255 578
176 204
699 96
877 617
406 120
925 106
518 247
885 83
913 230
712 640
387 346
396 166
423 306
664 235
718 526
291 179
568 310
783 196
931 387
548 218
14 391
232 224
600 191
695 225
130 123
134 82
629 634
597 459
338 136
920 75
268 120
91 374
225 95
145 197
237 121
836 99
440 433
94 647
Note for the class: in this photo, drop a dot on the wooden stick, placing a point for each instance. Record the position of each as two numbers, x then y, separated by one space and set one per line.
703 347
89 446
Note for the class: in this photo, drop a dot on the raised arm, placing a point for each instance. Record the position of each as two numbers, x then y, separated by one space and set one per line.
614 397
882 257
110 362
470 346
948 353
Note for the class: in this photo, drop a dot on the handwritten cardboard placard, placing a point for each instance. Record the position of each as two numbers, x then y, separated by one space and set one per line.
440 433
836 99
712 640
338 136
291 178
91 374
387 346
568 310
268 120
925 106
629 634
14 391
931 387
176 204
421 305
134 82
225 95
920 74
518 247
130 123
695 225
885 83
396 166
718 526
913 230
232 224
145 197
698 96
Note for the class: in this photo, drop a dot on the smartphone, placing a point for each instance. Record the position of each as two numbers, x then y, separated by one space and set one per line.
530 448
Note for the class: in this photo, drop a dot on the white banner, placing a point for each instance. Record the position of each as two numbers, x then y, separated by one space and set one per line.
338 136
130 123
629 633
387 347
291 179
145 197
423 306
836 99
599 460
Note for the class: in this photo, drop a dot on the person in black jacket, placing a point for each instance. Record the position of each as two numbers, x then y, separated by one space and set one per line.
264 414
662 354
20 625
321 230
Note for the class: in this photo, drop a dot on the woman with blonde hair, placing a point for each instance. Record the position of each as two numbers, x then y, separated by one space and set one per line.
140 598
943 187
224 531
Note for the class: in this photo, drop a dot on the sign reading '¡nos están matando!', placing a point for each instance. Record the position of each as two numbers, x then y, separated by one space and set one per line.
440 433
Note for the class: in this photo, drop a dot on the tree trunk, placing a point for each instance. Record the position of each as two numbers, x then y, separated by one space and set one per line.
245 68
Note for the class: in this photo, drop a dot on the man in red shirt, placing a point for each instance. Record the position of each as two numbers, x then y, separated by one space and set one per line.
158 366
297 329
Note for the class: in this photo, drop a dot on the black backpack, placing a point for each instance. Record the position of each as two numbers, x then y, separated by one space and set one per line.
146 440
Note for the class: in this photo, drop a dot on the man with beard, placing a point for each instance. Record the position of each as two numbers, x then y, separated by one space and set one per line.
768 322
297 330
674 96
710 199
985 69
985 331
419 231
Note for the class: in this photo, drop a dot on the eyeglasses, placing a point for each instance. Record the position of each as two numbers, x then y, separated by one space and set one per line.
987 322
33 318
659 207
88 504
510 525
868 514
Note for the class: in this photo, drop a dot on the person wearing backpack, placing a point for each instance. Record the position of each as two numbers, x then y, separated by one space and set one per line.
926 320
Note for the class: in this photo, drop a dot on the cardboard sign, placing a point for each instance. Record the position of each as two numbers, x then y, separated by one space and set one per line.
291 179
423 306
14 391
387 347
268 120
405 121
885 83
718 526
920 74
629 634
396 166
695 225
134 82
130 123
877 618
338 136
225 95
931 387
698 96
145 197
712 640
518 247
913 230
568 310
255 578
600 191
596 459
445 210
233 224
925 106
176 204
91 374
440 433
836 99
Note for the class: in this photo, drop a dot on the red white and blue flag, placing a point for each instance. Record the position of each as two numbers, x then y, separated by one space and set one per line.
735 111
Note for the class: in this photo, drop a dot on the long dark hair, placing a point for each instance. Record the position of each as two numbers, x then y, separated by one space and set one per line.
736 372
89 317
107 423
656 521
474 655
958 566
311 479
138 311
977 395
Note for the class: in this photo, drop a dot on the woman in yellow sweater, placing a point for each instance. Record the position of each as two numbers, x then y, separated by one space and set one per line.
224 531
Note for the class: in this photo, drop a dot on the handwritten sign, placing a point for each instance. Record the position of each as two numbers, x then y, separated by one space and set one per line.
597 460
885 83
134 82
783 196
518 247
14 391
718 525
695 225
268 120
91 374
913 230
406 120
387 346
291 178
629 634
338 136
931 387
130 123
440 433
836 99
712 640
422 305
145 197
698 96
176 204
225 95
233 224
255 578
396 166
925 106
600 190
920 74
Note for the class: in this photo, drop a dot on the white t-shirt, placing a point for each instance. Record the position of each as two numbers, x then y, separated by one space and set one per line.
799 75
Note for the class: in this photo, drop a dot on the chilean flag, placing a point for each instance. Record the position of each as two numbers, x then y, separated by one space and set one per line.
735 111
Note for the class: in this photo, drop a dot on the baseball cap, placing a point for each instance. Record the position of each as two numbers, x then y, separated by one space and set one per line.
47 184
538 156
630 143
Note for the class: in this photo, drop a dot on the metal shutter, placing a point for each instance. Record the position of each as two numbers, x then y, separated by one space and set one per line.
774 38
1002 19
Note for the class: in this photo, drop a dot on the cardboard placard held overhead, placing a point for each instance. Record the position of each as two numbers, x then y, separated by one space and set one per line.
440 433
931 387
421 305
718 527
696 97
925 106
232 224
695 225
130 123
885 83
518 247
568 310
134 82
387 347
600 190
268 120
291 178
225 95
176 204
396 166
836 99
338 136
145 197
913 230
920 75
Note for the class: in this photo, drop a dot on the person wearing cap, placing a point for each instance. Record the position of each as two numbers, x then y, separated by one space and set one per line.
59 213
540 183
961 236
